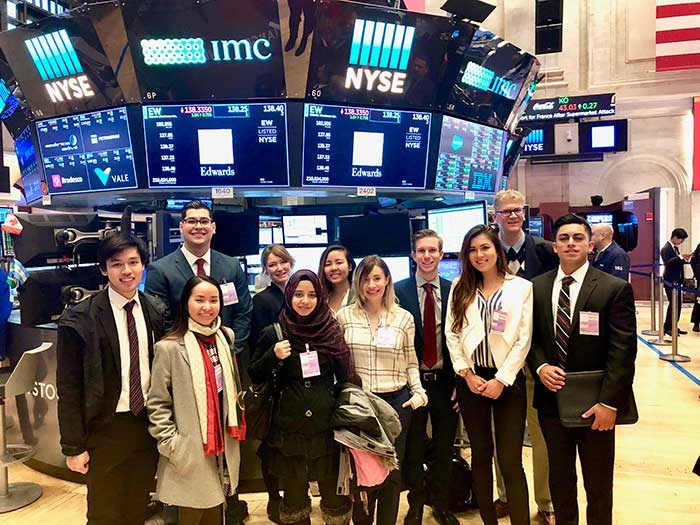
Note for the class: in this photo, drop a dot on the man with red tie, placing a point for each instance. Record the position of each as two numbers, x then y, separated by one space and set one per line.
425 297
105 351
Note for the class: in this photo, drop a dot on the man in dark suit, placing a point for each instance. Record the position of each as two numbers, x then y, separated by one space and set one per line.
587 322
426 293
166 277
528 257
105 351
610 257
673 273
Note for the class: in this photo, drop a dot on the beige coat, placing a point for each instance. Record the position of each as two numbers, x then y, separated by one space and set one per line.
186 477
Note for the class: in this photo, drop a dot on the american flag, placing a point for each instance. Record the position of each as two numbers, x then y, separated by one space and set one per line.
677 34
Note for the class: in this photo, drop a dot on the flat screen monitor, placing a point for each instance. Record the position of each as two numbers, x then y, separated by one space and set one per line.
386 234
236 233
603 136
470 157
202 146
453 222
87 153
399 267
305 229
307 257
29 166
449 269
600 218
354 146
535 226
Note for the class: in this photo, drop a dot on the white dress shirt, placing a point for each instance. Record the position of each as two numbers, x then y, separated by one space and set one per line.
574 289
192 260
117 303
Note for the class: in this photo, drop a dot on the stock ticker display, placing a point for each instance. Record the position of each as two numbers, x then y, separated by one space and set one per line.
354 146
470 157
216 145
88 152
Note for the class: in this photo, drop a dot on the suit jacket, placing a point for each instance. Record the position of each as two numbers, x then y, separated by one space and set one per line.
673 264
267 306
407 294
615 261
186 477
167 276
539 257
613 350
508 349
88 374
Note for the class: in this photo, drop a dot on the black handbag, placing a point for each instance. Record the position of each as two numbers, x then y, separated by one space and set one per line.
259 402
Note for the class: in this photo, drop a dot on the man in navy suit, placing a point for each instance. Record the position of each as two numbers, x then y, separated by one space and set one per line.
167 276
610 257
426 293
528 257
673 272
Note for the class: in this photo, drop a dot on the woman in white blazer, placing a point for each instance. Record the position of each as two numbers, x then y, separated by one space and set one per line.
194 410
488 331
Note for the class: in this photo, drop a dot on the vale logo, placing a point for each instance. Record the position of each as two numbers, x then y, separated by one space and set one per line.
379 56
103 175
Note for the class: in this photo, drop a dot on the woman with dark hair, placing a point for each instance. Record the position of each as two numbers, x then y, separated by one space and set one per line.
335 271
488 331
380 336
305 360
193 407
695 265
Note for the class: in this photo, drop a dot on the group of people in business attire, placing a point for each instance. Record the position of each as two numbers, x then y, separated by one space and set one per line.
522 313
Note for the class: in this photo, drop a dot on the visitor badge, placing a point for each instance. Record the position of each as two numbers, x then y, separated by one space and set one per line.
498 322
386 337
589 323
228 290
219 373
310 366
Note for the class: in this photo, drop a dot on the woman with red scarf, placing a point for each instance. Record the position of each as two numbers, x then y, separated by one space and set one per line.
304 361
193 408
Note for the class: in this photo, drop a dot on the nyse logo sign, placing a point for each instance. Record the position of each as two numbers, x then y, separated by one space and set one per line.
379 56
193 51
55 59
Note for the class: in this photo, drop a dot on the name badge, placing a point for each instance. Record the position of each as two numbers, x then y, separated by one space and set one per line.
589 323
219 373
310 366
228 290
498 322
386 337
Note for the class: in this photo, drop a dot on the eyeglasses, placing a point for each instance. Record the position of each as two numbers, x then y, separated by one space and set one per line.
510 211
194 222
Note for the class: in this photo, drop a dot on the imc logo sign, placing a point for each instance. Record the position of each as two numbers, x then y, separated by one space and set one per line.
484 79
55 59
193 51
534 142
379 56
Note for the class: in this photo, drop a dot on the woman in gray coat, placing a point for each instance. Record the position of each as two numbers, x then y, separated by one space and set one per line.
193 407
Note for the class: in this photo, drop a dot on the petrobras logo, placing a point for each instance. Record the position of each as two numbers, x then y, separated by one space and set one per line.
193 51
56 61
379 54
484 79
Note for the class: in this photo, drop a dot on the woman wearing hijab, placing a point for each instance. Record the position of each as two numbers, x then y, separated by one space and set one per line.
305 360
193 407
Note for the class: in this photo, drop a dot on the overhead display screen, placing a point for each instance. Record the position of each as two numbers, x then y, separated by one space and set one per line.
205 51
354 146
564 108
14 112
88 152
470 157
61 66
216 145
29 167
540 141
452 223
370 55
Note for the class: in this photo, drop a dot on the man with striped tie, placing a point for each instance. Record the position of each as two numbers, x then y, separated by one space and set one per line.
105 350
586 322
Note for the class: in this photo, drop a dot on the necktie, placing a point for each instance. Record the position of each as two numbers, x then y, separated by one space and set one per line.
136 402
513 261
563 327
429 328
512 255
200 266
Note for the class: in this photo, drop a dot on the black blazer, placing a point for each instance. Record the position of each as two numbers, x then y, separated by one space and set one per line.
167 276
407 294
615 261
539 257
673 264
613 350
88 375
267 306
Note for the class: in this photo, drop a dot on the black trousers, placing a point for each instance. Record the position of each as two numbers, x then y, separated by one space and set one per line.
669 308
122 470
596 451
508 413
296 7
296 505
444 423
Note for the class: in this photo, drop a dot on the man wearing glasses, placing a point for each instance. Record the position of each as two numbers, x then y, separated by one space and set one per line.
528 257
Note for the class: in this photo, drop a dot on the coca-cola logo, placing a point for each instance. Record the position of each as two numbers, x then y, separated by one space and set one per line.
543 106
